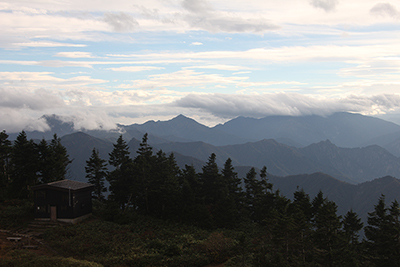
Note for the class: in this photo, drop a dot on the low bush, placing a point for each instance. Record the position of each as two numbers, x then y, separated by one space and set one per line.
15 213
146 242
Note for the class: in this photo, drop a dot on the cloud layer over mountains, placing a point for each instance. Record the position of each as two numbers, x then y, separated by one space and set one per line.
103 63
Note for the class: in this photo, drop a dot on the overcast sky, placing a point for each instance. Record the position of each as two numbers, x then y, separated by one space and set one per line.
104 62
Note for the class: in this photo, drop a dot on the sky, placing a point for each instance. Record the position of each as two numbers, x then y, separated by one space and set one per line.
99 63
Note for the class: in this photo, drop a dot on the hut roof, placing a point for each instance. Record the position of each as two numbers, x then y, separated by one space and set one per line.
64 184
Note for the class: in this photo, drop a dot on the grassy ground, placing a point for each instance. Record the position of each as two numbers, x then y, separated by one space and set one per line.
131 240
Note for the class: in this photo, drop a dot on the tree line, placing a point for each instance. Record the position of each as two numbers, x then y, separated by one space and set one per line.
278 231
298 232
25 163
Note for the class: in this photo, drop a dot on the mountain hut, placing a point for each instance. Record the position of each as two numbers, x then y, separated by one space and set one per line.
66 201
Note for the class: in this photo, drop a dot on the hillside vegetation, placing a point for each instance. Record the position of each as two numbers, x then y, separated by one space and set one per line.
158 214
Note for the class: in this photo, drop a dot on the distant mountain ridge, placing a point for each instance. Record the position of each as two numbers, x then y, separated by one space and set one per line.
360 198
184 129
282 149
342 129
354 165
238 140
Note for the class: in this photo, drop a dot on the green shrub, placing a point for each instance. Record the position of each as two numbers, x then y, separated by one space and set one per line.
15 213
144 242
219 247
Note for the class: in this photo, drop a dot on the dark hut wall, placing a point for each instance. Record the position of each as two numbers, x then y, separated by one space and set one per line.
82 202
45 198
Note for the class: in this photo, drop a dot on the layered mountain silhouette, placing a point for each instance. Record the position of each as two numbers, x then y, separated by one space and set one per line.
342 129
353 165
350 147
342 155
360 198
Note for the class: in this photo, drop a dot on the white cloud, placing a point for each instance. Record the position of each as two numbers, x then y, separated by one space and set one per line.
385 9
121 22
26 99
46 44
310 53
294 104
15 120
74 54
184 78
275 46
204 16
88 20
327 5
90 64
136 68
220 67
88 119
96 109
36 80
197 6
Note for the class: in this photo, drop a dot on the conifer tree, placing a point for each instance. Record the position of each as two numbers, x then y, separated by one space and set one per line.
263 180
211 180
382 234
96 171
377 234
300 210
193 209
252 189
266 200
164 189
24 167
394 229
120 153
188 203
119 178
227 205
351 254
260 201
215 192
44 162
142 176
5 150
326 236
53 160
351 226
231 179
59 159
190 175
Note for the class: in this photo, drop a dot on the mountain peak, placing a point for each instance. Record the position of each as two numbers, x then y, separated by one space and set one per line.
181 117
183 121
327 142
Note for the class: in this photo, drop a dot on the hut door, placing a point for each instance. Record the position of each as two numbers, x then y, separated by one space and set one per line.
53 213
